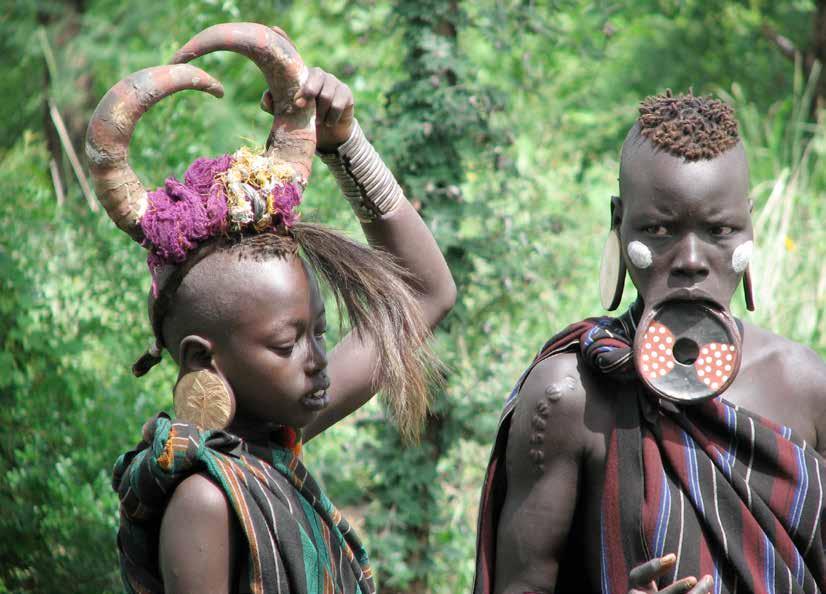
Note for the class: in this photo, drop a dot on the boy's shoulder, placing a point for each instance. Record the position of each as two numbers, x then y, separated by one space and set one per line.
198 493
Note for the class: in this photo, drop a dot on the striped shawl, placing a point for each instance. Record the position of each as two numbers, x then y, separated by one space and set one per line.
733 495
298 542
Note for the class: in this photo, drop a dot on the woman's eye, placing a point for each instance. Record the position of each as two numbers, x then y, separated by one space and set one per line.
722 230
321 332
656 230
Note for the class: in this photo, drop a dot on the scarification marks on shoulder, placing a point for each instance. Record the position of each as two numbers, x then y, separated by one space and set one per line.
539 422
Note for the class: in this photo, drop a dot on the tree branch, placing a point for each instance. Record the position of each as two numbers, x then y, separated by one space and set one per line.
70 152
782 43
58 185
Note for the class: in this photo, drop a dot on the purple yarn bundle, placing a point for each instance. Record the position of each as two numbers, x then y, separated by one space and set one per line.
285 198
180 215
202 173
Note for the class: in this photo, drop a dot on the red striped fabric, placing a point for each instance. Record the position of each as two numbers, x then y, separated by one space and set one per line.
750 498
733 495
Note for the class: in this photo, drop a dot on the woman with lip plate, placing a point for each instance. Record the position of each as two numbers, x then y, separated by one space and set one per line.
218 499
632 455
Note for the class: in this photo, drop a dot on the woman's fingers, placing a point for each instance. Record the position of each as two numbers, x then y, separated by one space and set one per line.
642 575
704 586
334 106
642 578
334 100
680 586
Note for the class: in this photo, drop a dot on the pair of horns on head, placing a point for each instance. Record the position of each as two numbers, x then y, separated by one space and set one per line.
292 137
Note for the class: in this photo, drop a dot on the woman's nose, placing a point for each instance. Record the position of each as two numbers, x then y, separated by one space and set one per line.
690 262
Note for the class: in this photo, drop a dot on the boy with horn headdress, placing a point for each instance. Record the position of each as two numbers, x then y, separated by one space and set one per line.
218 499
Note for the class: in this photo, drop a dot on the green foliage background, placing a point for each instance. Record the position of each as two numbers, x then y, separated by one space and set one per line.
502 119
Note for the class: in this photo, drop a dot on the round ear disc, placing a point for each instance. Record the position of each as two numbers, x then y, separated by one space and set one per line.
611 272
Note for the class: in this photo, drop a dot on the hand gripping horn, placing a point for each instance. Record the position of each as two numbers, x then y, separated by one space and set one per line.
292 137
107 139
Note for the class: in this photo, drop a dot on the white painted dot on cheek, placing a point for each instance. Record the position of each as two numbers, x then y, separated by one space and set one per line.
639 254
742 256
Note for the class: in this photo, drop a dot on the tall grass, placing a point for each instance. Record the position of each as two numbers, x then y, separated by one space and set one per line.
787 155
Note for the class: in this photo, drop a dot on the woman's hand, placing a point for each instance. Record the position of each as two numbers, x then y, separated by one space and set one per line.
642 578
334 107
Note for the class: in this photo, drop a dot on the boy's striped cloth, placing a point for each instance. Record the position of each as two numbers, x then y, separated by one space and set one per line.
298 542
733 495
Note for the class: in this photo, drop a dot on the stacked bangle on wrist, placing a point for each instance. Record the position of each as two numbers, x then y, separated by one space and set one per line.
364 179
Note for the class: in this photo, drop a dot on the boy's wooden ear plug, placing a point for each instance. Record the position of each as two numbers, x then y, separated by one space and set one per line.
204 399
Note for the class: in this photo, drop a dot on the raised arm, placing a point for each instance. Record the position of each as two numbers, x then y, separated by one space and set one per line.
389 222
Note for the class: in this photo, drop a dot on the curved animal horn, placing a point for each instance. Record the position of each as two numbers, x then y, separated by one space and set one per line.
292 136
107 139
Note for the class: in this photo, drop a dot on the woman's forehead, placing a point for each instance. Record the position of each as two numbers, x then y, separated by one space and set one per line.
650 177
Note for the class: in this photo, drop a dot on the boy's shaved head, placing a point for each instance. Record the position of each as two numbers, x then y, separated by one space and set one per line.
686 126
213 291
